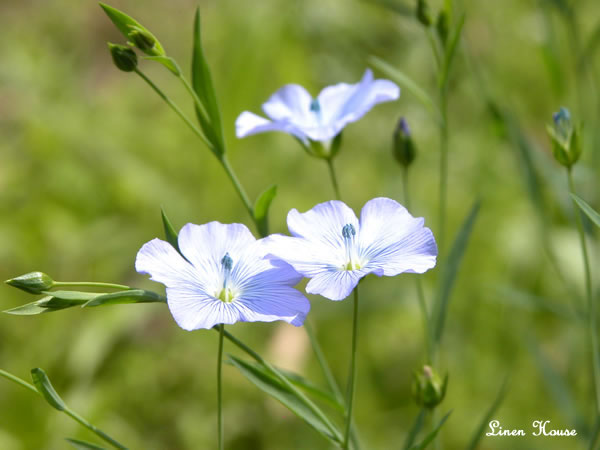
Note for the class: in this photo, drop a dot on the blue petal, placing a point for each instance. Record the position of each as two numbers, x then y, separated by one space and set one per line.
273 302
335 284
323 223
290 103
394 241
193 310
248 124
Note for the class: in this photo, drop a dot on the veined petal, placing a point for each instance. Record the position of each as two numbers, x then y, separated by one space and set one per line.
345 103
393 241
249 123
335 284
290 103
273 302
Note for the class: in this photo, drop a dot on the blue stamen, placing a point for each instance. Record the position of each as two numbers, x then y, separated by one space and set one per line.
227 262
315 106
562 122
352 259
348 231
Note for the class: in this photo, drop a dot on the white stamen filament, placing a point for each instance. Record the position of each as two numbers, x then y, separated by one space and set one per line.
352 258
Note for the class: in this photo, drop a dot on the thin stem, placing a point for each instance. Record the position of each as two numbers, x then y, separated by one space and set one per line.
238 186
443 167
352 377
197 100
590 301
335 432
333 177
177 110
434 47
90 284
67 411
219 388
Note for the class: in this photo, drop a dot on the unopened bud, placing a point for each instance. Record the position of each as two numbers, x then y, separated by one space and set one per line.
124 58
565 137
145 41
422 13
428 389
403 146
33 282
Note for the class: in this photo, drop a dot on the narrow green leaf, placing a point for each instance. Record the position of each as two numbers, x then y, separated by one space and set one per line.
73 296
170 232
587 209
166 61
260 376
125 24
204 88
450 272
414 431
405 81
261 209
395 6
44 387
594 433
53 302
488 416
83 445
451 51
124 297
431 436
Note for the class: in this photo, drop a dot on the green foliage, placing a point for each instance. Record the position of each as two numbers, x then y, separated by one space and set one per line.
261 209
45 388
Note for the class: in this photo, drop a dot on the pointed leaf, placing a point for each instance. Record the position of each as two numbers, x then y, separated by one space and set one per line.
450 272
414 431
83 445
44 387
451 51
262 378
488 416
261 209
52 303
587 209
431 436
126 23
204 88
124 297
170 233
405 81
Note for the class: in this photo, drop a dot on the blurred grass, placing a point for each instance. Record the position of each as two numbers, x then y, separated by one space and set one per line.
88 155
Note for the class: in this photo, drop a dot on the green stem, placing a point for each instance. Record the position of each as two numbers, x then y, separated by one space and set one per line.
197 100
238 186
592 314
352 377
219 389
67 411
443 167
90 284
333 177
314 408
434 47
177 110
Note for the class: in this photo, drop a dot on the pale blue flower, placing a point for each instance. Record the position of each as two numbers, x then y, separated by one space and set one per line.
335 250
224 278
293 110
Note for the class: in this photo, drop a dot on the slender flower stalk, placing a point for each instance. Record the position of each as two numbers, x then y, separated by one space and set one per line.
591 304
90 284
219 388
333 177
352 377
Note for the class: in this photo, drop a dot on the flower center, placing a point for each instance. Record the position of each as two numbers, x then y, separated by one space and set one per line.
226 294
353 261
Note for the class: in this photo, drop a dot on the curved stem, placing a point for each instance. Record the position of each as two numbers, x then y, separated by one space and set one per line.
333 177
197 100
90 284
238 186
335 389
219 389
352 377
592 314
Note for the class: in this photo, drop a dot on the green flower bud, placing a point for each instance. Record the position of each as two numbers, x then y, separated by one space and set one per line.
145 41
428 389
565 137
404 148
124 58
33 282
422 13
441 26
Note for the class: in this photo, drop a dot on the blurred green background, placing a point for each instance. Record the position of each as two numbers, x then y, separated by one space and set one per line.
88 155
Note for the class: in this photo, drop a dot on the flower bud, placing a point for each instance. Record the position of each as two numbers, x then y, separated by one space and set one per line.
565 137
124 58
144 40
404 148
33 282
441 26
422 13
428 389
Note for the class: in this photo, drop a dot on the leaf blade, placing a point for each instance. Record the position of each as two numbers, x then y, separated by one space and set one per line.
125 297
488 416
451 51
431 436
83 445
170 233
45 388
587 209
261 209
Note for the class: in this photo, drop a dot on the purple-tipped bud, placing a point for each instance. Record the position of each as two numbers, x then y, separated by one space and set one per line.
565 137
403 146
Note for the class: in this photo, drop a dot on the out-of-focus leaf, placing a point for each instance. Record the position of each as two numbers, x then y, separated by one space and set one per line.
170 233
396 6
488 416
169 63
83 445
126 23
594 433
431 436
528 301
261 209
451 266
405 81
44 387
264 380
587 209
204 88
414 430
451 51
124 297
